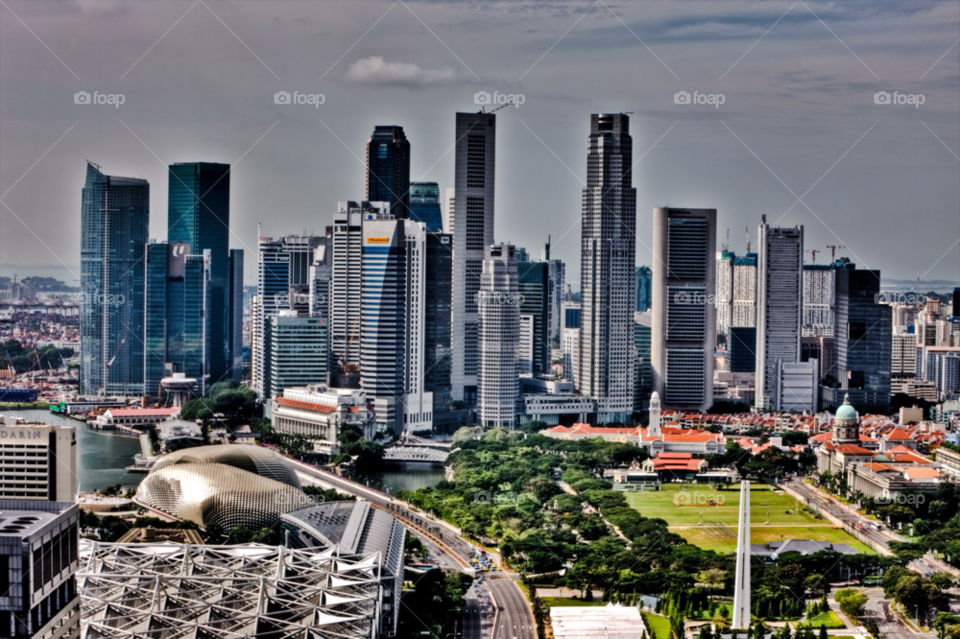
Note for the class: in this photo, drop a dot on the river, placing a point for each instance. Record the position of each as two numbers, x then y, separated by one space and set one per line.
402 476
101 456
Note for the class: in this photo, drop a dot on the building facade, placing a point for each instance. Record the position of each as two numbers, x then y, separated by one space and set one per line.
37 462
114 221
536 287
499 305
388 169
319 414
295 353
425 205
644 281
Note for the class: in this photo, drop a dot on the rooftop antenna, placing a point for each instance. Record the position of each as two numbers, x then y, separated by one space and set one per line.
747 229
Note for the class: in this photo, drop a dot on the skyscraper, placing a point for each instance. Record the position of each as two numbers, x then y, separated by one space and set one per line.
499 305
744 290
684 317
470 220
644 281
724 292
643 372
779 305
425 205
818 298
608 282
863 339
388 169
114 221
198 214
536 290
295 353
439 285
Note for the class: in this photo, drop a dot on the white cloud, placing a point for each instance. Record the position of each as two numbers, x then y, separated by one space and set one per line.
374 70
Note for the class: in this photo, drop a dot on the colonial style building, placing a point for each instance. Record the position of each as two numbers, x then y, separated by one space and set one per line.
843 449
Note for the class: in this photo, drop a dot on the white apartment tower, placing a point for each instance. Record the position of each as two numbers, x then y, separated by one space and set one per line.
744 290
819 284
498 302
683 318
724 296
779 306
608 279
470 220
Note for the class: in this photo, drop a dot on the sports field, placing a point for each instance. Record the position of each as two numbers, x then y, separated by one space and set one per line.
708 518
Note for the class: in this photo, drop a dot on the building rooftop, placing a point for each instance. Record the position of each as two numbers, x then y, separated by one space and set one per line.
612 621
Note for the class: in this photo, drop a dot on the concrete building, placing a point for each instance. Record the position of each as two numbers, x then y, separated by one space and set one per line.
779 304
470 221
295 352
319 413
553 401
37 462
38 562
798 385
607 276
498 302
683 315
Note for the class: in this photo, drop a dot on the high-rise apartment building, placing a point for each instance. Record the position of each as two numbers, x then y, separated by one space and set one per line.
644 282
607 276
863 339
38 562
470 220
114 220
198 214
779 306
177 316
425 205
388 169
684 274
498 301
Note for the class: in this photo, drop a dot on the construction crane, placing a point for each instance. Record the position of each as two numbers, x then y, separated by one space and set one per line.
502 106
747 229
833 251
726 246
813 253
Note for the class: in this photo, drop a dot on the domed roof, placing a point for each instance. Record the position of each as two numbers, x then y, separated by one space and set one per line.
253 459
846 411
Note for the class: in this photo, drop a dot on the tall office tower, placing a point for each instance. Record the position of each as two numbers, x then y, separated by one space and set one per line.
283 283
536 290
499 303
295 353
470 219
39 462
346 289
235 325
818 296
449 199
177 316
114 220
425 205
744 291
644 282
683 335
388 169
392 323
570 342
198 214
558 274
742 349
863 339
320 274
724 296
525 346
643 373
38 562
779 306
608 281
439 292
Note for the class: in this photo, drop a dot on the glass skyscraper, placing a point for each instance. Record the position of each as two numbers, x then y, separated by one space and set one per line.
199 216
425 205
388 169
644 281
536 288
114 221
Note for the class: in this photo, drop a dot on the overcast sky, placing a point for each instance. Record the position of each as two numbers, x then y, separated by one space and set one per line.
798 136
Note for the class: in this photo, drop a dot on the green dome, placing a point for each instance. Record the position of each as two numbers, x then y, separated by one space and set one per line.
846 411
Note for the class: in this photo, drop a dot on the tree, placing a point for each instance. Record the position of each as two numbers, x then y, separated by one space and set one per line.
852 602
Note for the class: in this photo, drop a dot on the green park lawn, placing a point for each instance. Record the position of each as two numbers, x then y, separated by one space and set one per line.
567 602
828 619
719 523
658 625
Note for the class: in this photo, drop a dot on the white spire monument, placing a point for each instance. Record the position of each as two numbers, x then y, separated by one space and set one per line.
741 589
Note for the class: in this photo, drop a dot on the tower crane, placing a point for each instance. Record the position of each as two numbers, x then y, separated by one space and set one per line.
833 251
813 253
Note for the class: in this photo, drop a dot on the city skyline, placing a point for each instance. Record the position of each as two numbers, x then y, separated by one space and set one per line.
782 123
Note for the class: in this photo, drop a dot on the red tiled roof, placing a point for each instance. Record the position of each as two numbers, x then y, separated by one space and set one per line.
921 473
587 429
911 457
317 408
877 467
898 434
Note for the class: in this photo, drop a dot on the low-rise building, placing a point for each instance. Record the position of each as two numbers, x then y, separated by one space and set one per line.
623 435
139 418
37 461
318 413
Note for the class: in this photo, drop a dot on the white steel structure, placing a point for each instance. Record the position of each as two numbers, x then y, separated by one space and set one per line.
183 591
779 304
470 220
499 304
741 587
608 288
683 316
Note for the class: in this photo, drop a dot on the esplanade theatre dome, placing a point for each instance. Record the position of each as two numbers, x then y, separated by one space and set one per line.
228 485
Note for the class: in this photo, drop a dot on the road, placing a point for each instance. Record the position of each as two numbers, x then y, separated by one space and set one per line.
891 627
879 538
515 620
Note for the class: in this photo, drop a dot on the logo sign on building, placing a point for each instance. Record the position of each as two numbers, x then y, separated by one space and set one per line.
378 240
8 433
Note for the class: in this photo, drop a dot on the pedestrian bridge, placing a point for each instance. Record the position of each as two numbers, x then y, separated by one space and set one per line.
416 454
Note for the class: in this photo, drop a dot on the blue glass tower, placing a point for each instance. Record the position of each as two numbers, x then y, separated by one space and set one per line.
425 205
114 220
199 216
388 169
644 282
